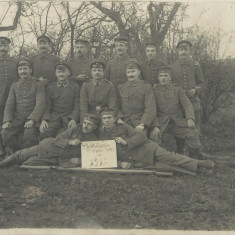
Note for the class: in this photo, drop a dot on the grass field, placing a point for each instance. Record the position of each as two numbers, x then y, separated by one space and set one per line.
53 199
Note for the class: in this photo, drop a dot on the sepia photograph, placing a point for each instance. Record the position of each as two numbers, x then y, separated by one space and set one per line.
117 117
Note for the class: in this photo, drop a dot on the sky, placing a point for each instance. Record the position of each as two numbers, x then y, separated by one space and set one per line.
209 16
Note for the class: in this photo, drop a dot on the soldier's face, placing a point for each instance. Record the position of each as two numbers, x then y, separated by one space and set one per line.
43 46
184 52
133 74
80 50
121 48
97 73
4 49
151 52
24 71
164 78
88 126
108 120
62 74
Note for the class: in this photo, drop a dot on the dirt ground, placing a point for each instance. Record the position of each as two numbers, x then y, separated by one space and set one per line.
55 199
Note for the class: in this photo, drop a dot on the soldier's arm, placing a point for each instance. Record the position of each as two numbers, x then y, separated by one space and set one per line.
47 113
76 106
40 103
62 140
200 80
186 104
119 102
150 106
107 71
112 99
84 101
10 105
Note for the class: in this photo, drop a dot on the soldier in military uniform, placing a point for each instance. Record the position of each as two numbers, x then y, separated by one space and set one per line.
8 75
136 100
136 147
98 93
62 106
171 103
44 62
80 65
151 64
65 149
115 70
24 107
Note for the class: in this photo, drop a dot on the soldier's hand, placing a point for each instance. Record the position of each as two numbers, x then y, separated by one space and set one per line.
155 134
75 142
191 93
81 77
191 123
120 140
29 124
6 125
72 123
44 126
119 121
43 80
139 128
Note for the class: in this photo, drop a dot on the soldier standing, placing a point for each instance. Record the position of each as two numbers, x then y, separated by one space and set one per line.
115 70
151 64
80 65
44 62
8 75
62 103
136 100
24 107
98 93
187 74
171 102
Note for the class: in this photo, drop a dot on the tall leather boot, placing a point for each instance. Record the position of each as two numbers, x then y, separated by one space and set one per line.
2 152
193 153
180 144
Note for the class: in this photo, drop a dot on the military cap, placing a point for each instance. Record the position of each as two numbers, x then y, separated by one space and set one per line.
121 39
107 111
150 44
91 117
44 36
166 69
82 41
62 64
24 62
97 63
132 63
5 40
182 42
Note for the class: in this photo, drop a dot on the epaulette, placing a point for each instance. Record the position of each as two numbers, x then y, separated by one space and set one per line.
52 84
74 83
196 63
108 81
88 80
173 84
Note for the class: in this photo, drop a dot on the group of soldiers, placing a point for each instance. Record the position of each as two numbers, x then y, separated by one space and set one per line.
48 106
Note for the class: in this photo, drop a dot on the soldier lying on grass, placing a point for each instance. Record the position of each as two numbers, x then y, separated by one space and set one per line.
62 149
135 146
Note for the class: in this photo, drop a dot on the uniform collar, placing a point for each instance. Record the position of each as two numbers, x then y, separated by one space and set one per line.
134 84
185 62
25 81
123 57
59 84
151 61
97 83
83 58
167 87
7 57
44 55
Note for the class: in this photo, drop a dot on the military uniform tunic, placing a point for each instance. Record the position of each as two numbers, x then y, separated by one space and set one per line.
26 101
171 102
136 103
96 96
62 106
189 75
8 75
140 149
115 70
80 66
44 66
149 70
51 149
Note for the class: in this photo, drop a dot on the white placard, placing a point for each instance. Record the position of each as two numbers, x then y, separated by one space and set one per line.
99 154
